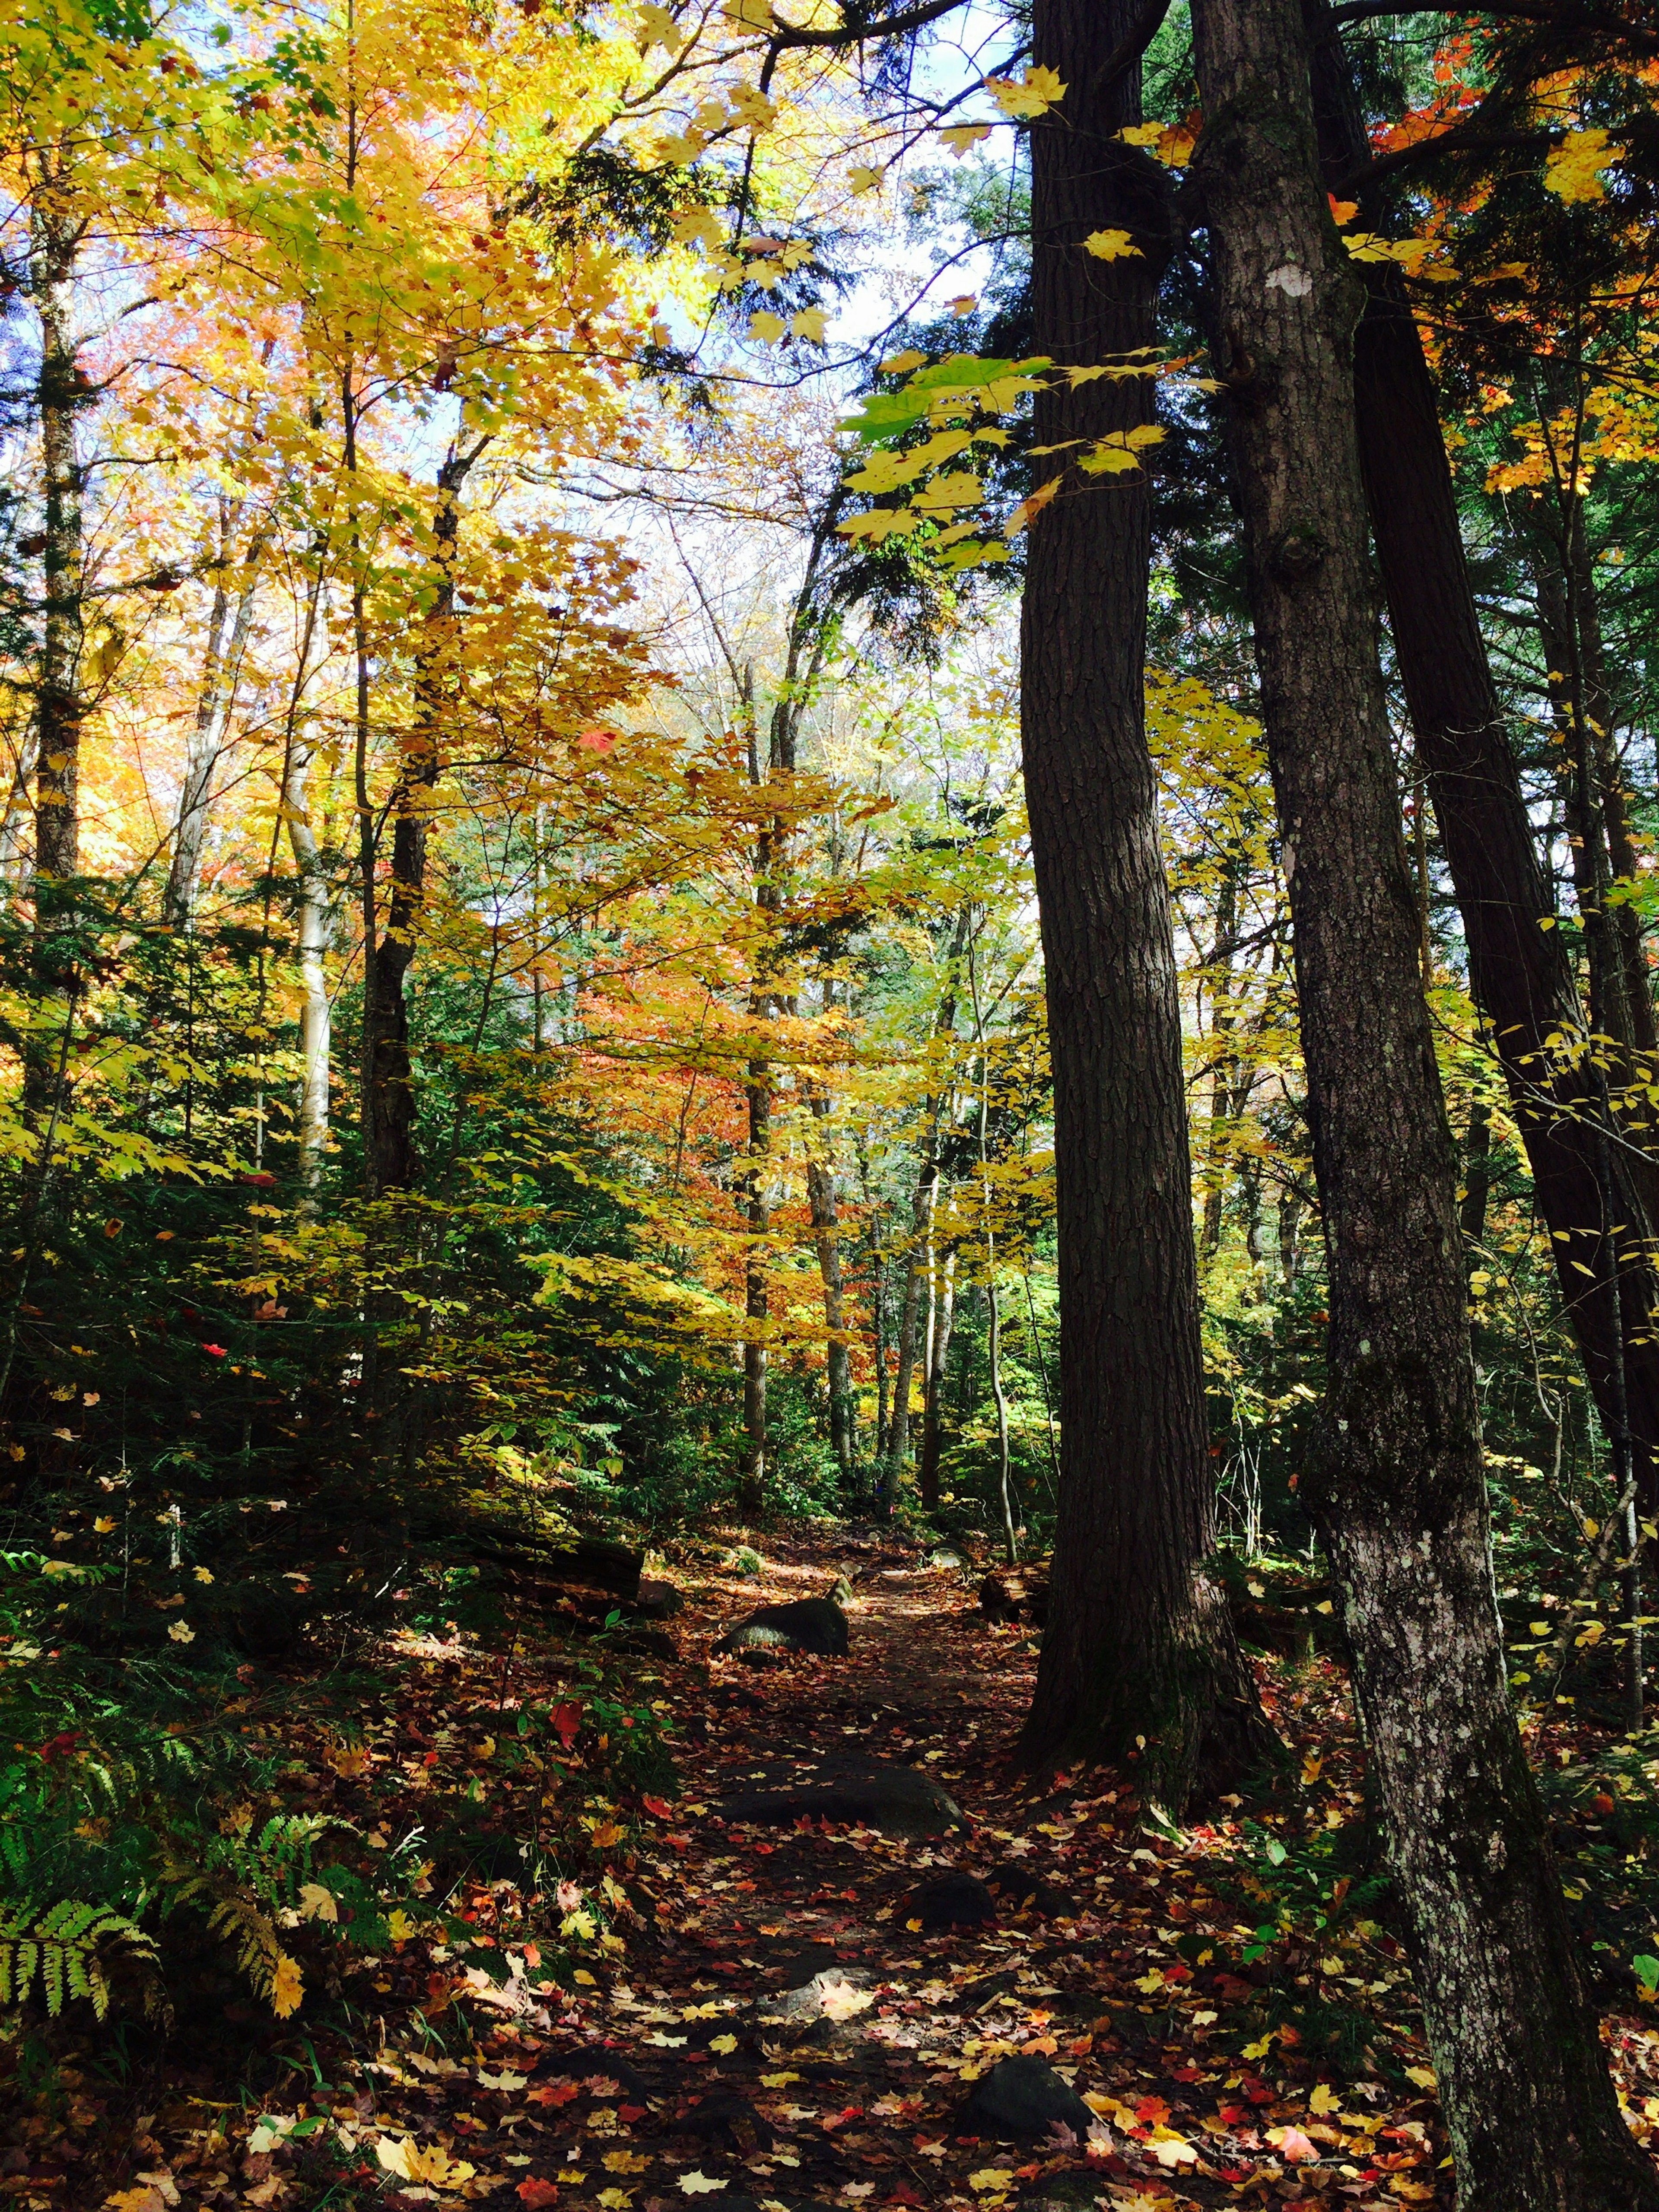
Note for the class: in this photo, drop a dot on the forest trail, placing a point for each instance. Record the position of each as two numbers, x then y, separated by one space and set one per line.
799 2031
850 1957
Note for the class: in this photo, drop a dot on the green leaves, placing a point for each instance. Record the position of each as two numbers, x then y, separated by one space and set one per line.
996 384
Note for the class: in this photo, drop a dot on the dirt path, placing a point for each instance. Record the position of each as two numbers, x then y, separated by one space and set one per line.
952 1993
797 2031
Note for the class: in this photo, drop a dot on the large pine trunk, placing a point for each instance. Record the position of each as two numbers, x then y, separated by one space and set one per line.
1396 1480
1139 1644
1518 969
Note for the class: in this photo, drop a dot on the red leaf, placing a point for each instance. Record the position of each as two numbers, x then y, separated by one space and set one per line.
628 2113
215 1350
534 2191
656 1808
556 2093
567 1719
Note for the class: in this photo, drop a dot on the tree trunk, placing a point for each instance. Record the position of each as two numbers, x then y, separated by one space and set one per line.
939 1354
221 673
751 1490
1476 1177
1518 971
1396 1481
316 930
1140 1644
1599 715
389 1154
60 393
999 1398
15 820
904 1363
826 1235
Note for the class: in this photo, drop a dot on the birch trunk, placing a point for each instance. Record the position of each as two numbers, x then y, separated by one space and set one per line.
1396 1481
226 643
939 1355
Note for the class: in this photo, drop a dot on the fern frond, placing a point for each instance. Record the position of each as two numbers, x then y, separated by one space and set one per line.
61 1946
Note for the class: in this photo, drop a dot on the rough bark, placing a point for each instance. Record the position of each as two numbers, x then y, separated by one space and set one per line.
1140 1643
1396 1479
1518 969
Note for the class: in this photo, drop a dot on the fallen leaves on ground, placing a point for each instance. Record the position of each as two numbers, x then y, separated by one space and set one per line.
1227 1998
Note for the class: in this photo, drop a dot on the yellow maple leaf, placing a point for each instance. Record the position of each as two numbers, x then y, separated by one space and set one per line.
699 226
961 136
659 29
1171 2150
1323 2098
288 1988
1423 2075
808 323
1038 91
1572 170
946 494
766 328
624 2161
864 179
432 2164
841 2001
1141 134
723 2045
1109 244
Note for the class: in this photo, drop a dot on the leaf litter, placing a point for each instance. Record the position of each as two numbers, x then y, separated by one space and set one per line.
702 2006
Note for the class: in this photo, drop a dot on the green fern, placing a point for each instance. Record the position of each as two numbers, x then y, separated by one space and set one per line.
61 1948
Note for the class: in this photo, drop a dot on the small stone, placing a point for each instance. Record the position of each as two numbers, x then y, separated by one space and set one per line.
657 1600
952 1900
729 2121
1024 2096
898 1800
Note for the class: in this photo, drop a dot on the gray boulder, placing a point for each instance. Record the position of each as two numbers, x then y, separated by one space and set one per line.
809 1624
1024 2097
897 1800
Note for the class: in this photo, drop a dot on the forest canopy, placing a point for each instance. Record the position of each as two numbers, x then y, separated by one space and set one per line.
782 778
